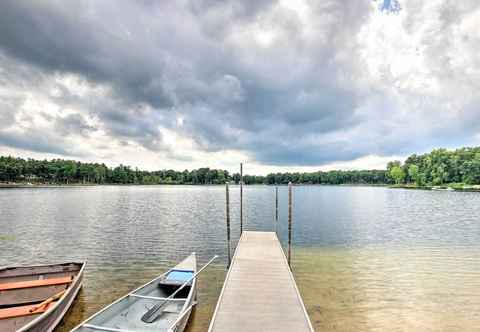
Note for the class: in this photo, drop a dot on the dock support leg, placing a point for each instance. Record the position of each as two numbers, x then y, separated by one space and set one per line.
228 222
276 210
289 222
241 198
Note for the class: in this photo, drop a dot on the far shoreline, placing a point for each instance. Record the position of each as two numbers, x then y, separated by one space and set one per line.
446 187
74 185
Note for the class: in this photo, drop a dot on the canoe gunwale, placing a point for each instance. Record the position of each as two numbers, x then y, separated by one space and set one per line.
7 268
75 286
181 317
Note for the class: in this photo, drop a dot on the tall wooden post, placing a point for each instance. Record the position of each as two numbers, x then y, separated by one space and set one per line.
276 209
228 222
289 221
241 198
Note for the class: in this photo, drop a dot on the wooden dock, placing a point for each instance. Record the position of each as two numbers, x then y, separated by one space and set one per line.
259 293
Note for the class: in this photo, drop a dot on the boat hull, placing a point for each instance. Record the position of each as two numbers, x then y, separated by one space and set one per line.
47 320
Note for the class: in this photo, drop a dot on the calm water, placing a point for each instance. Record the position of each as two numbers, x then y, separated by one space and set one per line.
365 259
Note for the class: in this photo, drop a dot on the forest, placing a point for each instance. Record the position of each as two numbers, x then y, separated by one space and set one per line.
437 167
59 171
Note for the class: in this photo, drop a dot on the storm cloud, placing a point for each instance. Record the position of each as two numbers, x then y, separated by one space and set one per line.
282 82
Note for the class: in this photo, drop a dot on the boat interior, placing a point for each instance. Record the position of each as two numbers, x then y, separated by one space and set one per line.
27 292
126 314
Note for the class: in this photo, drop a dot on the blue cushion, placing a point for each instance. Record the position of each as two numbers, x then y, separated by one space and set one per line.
179 275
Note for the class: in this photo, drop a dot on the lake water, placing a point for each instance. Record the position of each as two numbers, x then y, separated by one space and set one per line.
365 258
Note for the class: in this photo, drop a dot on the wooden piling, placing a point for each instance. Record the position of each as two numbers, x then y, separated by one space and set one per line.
289 222
241 198
276 209
228 222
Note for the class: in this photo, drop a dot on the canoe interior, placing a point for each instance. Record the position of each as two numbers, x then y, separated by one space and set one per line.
126 314
16 298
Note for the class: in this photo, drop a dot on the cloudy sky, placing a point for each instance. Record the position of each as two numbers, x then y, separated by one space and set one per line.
280 85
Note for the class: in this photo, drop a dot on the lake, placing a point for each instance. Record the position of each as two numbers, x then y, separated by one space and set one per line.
365 258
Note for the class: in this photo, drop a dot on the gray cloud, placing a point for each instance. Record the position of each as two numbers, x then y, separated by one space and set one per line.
300 98
36 141
8 109
73 124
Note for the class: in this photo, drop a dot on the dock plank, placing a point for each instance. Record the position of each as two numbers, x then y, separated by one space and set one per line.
259 293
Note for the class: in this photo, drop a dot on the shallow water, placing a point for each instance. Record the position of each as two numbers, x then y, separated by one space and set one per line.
365 259
379 289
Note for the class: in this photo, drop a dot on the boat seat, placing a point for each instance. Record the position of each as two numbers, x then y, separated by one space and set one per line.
23 310
176 278
35 283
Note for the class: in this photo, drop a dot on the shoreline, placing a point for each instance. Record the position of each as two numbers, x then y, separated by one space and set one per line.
73 185
404 186
23 185
447 187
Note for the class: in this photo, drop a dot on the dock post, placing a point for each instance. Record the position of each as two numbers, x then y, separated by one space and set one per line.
228 222
289 222
276 210
241 198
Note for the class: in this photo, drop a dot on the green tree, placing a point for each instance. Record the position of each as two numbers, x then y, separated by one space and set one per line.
472 170
397 174
414 174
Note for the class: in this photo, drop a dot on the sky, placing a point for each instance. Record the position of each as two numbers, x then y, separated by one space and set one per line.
288 85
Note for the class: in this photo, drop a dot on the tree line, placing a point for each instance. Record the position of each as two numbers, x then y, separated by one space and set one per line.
438 167
59 171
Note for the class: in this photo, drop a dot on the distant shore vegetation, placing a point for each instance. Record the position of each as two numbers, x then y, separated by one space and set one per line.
455 169
67 172
440 168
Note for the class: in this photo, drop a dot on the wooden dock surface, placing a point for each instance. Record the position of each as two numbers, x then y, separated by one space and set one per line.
259 293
